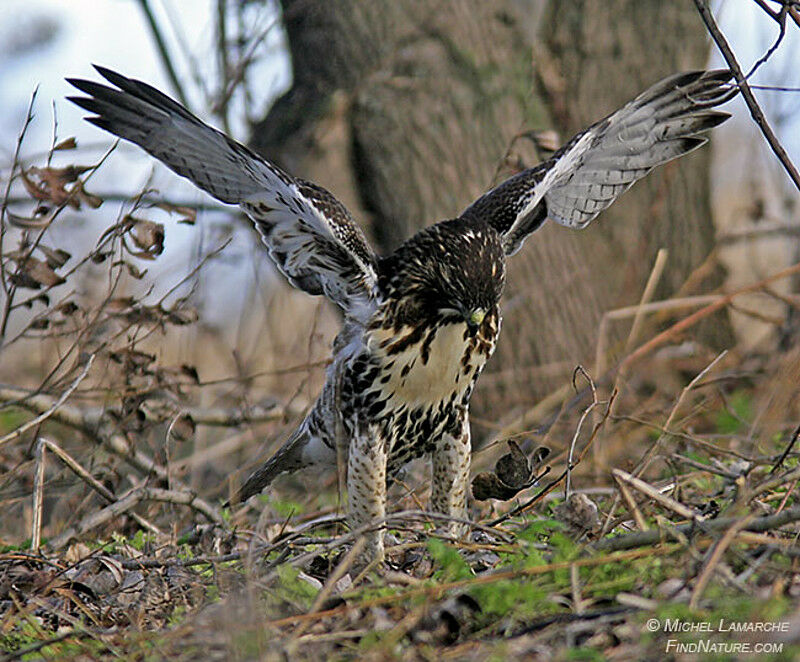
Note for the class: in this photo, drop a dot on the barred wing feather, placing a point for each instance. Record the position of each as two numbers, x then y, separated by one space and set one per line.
309 234
593 169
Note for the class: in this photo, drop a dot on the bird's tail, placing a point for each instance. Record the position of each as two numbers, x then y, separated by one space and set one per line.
288 458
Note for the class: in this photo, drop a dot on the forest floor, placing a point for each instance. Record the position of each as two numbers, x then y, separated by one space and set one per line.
695 560
650 513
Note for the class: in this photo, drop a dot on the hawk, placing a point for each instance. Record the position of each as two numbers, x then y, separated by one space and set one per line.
418 324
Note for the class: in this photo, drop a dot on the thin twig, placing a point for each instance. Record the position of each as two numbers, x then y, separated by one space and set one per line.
781 20
645 461
789 447
747 94
579 370
653 493
49 412
38 497
8 290
163 52
647 538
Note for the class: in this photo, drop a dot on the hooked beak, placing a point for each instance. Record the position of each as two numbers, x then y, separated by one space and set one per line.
475 318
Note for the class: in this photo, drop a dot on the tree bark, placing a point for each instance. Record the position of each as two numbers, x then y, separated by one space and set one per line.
408 111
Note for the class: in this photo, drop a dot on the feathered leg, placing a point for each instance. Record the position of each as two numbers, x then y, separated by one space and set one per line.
366 487
451 460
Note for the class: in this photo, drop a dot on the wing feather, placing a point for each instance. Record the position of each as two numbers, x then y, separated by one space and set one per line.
309 234
585 176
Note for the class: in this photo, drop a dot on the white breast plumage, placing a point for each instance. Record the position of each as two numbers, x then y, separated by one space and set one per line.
415 381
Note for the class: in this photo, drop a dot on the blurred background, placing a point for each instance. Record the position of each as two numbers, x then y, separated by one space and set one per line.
406 112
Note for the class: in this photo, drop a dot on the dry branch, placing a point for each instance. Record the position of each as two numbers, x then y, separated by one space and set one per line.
694 318
652 537
47 413
129 501
747 93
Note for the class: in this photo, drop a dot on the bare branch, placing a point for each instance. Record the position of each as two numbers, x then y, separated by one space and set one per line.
161 46
52 409
747 94
129 501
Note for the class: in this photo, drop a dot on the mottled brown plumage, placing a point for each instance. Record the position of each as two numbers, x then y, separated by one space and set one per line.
419 324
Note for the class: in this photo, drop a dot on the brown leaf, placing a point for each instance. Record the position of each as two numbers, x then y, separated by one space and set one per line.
488 486
32 270
56 257
21 279
91 200
133 270
513 468
183 316
189 214
147 235
132 358
120 304
59 176
67 143
512 474
191 372
579 513
67 308
52 183
182 428
27 222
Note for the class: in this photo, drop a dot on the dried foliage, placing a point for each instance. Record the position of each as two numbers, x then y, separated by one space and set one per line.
665 488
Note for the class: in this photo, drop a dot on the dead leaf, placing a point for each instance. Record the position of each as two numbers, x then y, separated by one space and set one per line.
579 513
27 222
120 304
148 236
67 308
91 200
191 372
33 273
487 485
52 183
188 214
67 143
56 257
132 358
513 468
512 474
183 316
132 270
182 428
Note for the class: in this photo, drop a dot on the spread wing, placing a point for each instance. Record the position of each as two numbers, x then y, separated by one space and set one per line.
309 234
599 164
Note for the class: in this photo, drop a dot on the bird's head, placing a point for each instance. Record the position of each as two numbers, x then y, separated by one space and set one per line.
451 272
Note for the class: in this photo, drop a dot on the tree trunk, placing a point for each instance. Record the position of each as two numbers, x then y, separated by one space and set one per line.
407 111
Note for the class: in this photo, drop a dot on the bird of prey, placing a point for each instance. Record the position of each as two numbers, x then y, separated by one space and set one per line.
418 324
